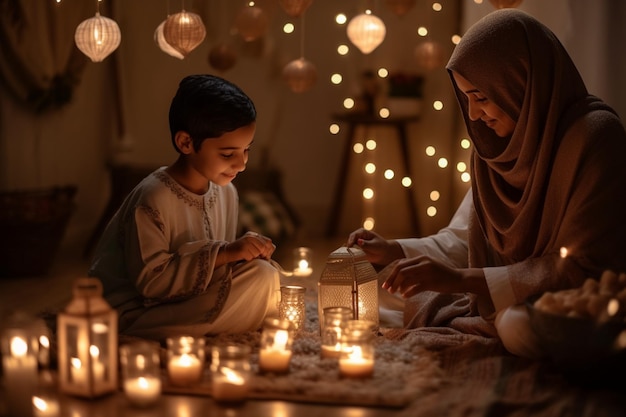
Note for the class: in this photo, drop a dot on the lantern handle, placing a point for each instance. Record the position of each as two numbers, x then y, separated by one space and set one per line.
87 287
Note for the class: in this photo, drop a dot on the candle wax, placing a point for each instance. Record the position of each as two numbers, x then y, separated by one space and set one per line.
184 369
330 351
356 367
142 391
274 360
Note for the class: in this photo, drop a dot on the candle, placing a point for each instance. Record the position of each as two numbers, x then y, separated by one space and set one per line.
302 262
45 407
229 386
303 269
184 369
142 391
44 351
333 351
276 357
355 365
20 376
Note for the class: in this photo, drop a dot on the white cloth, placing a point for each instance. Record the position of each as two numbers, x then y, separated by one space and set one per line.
156 260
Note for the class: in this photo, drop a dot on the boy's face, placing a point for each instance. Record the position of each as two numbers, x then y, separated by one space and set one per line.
219 160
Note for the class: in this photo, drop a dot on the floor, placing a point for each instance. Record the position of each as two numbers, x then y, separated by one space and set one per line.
34 294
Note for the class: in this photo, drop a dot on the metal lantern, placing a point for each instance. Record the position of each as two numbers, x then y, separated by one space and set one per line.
87 341
159 39
349 280
366 31
184 31
98 37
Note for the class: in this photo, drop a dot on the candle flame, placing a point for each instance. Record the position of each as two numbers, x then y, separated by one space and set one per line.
356 353
303 264
232 376
280 340
76 363
94 351
40 404
185 360
44 341
142 382
18 346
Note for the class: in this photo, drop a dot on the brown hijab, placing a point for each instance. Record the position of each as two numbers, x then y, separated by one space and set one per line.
560 179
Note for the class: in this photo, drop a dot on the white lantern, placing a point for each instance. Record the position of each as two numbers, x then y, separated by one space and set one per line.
97 37
184 31
349 280
366 31
87 341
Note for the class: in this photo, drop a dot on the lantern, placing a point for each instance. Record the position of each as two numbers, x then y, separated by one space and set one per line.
349 280
300 75
19 345
222 57
366 31
251 23
97 37
87 339
429 55
400 7
295 8
159 39
184 31
291 306
275 346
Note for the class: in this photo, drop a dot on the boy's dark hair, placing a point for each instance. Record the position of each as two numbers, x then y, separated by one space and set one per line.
206 106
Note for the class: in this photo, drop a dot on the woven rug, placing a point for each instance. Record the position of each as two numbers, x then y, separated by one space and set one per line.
403 372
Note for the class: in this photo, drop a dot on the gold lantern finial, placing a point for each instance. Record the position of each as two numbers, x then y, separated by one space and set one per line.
349 280
87 339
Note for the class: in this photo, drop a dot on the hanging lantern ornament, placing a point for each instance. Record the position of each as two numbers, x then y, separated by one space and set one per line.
184 31
300 75
429 55
222 57
295 8
400 7
97 37
159 39
503 4
251 23
366 31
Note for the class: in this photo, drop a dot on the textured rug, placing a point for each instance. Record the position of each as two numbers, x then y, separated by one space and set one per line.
403 371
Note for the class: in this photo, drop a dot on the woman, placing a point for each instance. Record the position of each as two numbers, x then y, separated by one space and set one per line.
547 192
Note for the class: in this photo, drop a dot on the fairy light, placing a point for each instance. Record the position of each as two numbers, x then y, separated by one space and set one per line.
437 7
563 252
370 167
288 28
431 211
389 174
461 166
406 182
434 195
465 143
438 105
368 224
358 148
422 31
348 103
368 193
455 39
383 112
442 162
343 49
341 19
334 128
466 177
430 150
383 72
370 144
336 79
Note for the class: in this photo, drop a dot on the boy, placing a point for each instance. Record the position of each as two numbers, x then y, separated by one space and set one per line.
168 260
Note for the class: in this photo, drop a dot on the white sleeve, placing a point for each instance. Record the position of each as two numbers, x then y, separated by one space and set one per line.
449 245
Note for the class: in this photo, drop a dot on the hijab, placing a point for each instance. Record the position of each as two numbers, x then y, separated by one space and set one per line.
554 181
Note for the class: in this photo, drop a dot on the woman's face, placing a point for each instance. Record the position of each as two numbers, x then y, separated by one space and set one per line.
481 108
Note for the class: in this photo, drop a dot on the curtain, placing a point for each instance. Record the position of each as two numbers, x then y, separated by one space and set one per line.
40 63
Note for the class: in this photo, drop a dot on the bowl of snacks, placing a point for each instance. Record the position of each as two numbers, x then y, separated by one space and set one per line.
583 329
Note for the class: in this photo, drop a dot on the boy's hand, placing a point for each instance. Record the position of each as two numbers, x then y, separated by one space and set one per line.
251 246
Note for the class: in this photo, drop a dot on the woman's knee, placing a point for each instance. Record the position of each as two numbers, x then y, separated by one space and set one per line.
515 332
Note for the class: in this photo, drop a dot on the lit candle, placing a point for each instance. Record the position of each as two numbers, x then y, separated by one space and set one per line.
45 407
333 351
229 386
302 262
44 351
276 357
142 391
79 372
184 369
303 269
20 376
355 365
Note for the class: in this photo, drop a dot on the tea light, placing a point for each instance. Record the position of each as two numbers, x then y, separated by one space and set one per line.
355 365
275 352
185 360
142 391
19 368
334 322
302 262
79 372
230 371
230 386
184 369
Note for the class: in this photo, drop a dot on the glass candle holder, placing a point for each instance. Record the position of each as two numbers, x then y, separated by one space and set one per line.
185 360
230 373
302 262
291 305
356 359
334 323
275 349
141 373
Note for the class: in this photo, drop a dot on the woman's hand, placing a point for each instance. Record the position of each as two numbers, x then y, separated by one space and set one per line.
378 250
414 275
250 246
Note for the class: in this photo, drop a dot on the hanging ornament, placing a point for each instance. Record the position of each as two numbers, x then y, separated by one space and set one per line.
502 4
295 8
184 31
251 23
222 57
366 31
159 39
97 37
429 55
400 7
300 75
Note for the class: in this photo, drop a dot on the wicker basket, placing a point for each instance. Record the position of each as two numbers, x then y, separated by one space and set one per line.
33 223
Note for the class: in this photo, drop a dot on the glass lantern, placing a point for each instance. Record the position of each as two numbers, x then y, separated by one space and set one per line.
230 373
349 280
275 349
141 373
302 262
19 343
291 306
87 339
356 359
335 321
